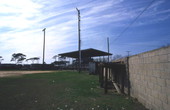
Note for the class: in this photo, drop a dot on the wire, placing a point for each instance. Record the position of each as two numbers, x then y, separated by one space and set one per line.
134 20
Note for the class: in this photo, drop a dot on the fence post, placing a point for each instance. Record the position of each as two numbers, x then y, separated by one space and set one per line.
101 75
122 78
106 81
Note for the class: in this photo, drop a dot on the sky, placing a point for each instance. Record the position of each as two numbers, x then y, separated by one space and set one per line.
22 22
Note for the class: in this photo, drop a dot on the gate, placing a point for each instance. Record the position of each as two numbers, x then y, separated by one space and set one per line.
113 75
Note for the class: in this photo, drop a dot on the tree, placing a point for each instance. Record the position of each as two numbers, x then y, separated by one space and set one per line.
18 57
1 59
55 57
165 45
116 57
34 59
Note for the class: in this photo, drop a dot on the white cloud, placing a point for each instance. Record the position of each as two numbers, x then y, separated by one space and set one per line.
25 20
17 14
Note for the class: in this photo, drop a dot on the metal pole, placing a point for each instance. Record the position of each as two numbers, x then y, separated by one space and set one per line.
79 39
44 46
108 47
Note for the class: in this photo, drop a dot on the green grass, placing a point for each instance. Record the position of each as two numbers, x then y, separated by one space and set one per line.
60 91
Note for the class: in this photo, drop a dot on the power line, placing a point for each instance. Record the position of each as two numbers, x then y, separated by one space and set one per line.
134 20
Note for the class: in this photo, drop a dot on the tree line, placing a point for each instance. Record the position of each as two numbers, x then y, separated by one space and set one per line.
18 58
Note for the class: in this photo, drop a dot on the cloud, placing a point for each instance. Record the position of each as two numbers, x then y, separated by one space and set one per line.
99 8
16 15
23 18
22 22
114 11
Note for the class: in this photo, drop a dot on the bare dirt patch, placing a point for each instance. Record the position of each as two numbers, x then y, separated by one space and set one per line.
16 73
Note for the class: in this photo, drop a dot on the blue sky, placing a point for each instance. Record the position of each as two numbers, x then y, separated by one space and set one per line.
22 22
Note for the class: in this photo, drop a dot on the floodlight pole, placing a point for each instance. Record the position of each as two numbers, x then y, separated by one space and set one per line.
44 46
108 47
79 39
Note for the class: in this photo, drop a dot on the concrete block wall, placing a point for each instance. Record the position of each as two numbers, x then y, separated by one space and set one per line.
150 78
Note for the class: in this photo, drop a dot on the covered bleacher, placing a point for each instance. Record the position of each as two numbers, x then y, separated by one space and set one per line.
87 56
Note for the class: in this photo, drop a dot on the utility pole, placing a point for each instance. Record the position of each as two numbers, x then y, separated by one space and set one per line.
128 53
79 39
108 47
44 46
127 71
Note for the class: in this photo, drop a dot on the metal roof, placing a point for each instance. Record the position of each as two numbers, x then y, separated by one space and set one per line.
85 53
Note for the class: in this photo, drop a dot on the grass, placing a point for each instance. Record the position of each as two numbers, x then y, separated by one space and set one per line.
60 91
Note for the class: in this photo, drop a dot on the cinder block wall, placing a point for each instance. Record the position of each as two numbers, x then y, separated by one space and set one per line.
150 78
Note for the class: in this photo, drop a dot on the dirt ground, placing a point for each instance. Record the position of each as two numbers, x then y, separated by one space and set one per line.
16 73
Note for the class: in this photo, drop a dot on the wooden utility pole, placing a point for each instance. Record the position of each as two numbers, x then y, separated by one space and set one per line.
128 53
108 47
44 46
79 40
127 71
